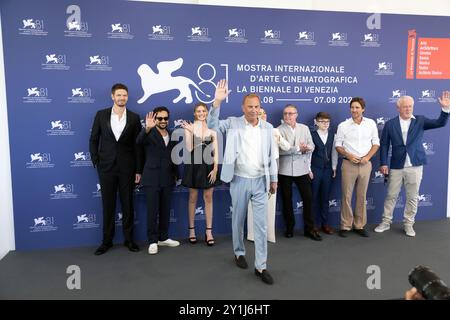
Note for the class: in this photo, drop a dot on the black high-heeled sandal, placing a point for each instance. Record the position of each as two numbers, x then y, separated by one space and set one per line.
209 242
192 240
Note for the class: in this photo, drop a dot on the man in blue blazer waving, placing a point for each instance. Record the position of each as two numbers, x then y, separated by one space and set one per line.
405 134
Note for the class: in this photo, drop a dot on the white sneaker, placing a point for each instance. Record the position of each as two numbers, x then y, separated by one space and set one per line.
382 227
410 231
153 248
168 243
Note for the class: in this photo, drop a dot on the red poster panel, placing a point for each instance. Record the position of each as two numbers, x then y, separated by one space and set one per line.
410 56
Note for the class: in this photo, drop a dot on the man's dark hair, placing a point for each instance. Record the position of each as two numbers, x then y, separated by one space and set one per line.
323 115
118 86
161 108
359 100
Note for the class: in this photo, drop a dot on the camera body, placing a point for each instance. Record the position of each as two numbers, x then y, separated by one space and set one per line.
430 286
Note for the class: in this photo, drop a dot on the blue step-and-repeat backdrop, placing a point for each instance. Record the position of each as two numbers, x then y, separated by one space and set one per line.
62 57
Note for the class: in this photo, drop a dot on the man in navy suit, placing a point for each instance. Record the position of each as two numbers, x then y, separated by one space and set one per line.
405 134
158 177
118 160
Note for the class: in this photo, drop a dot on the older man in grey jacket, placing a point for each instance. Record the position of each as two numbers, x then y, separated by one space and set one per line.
294 167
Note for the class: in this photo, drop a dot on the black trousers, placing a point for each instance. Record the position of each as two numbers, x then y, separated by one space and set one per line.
158 202
303 184
111 183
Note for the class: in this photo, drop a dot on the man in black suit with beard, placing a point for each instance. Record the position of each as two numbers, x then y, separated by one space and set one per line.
159 176
118 160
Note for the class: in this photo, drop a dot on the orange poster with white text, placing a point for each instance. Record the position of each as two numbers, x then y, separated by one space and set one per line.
433 58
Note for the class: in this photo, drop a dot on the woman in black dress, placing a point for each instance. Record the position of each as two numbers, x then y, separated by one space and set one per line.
201 172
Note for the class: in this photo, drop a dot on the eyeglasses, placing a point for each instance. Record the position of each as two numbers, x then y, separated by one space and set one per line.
162 118
289 113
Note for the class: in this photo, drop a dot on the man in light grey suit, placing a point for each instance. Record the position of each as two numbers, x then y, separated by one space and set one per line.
250 166
295 165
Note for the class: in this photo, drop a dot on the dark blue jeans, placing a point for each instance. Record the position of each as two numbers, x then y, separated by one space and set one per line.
321 185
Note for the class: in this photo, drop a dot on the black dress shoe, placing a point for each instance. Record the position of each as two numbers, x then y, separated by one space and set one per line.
289 234
362 232
133 247
265 276
343 233
314 235
240 262
102 249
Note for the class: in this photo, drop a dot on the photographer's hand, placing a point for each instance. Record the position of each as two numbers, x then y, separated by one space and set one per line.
384 170
413 294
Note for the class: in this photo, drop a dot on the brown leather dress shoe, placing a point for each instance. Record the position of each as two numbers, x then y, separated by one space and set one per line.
327 230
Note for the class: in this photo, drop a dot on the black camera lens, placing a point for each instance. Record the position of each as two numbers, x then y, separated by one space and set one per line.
430 286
